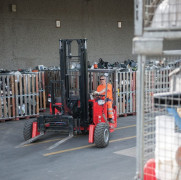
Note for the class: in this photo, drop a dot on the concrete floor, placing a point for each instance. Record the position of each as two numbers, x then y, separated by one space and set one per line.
74 159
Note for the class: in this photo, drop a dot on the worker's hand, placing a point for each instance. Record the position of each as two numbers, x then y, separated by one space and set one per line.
95 93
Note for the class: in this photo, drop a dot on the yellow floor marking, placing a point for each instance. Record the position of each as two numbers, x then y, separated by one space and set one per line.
125 127
51 140
83 147
122 139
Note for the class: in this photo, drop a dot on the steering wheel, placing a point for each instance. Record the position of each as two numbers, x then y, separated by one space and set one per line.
98 96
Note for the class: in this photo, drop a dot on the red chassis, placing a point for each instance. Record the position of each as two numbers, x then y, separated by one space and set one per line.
100 116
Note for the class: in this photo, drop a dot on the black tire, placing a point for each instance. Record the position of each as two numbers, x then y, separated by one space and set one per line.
101 135
27 131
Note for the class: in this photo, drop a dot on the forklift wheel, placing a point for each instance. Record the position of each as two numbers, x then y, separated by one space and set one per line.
27 131
101 135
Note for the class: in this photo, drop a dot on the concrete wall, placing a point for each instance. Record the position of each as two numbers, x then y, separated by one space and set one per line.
29 37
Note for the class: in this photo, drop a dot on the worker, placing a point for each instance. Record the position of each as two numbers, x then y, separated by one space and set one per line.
101 90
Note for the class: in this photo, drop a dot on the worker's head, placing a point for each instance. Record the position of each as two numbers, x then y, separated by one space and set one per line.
102 79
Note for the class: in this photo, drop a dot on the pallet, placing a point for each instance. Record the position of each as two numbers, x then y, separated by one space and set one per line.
26 95
6 119
26 117
126 92
129 114
7 97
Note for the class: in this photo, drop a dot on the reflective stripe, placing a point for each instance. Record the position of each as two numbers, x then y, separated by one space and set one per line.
110 112
109 109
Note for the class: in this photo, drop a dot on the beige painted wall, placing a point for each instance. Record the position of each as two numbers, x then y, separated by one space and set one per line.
29 37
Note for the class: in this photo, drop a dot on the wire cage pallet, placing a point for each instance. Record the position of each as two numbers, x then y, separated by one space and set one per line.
156 81
27 96
158 91
21 95
158 127
124 88
126 93
7 97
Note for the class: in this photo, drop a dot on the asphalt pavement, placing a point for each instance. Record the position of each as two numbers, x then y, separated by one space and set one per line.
75 159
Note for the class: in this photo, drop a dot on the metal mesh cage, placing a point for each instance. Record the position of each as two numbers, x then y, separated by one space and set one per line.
162 14
160 135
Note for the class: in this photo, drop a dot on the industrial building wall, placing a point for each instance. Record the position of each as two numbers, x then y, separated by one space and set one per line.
28 37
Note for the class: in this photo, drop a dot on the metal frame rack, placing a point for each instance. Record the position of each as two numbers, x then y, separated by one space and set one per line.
157 129
124 88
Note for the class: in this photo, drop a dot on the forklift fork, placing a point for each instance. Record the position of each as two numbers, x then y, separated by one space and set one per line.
30 140
61 141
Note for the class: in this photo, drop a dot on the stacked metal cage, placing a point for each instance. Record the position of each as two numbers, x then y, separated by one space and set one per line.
158 90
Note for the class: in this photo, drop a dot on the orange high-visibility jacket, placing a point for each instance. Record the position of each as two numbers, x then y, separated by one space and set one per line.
109 90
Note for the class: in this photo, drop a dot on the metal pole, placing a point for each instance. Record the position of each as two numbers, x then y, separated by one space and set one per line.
140 117
116 89
138 17
106 86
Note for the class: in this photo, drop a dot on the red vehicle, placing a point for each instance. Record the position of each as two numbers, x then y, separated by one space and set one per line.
100 128
74 111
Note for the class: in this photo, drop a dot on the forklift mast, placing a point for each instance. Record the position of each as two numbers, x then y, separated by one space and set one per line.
74 76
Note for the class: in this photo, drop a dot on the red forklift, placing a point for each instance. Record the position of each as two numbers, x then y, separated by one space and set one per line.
75 110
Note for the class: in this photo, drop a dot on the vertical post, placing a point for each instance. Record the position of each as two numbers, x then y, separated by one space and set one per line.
140 116
13 95
138 17
116 90
33 93
63 67
83 80
71 130
16 95
43 88
124 85
131 91
1 115
4 97
29 93
8 96
120 93
52 97
37 94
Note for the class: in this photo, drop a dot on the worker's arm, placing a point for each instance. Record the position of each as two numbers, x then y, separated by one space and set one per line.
99 92
103 91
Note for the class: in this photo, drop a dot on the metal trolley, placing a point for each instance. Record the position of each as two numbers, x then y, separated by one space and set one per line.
158 90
